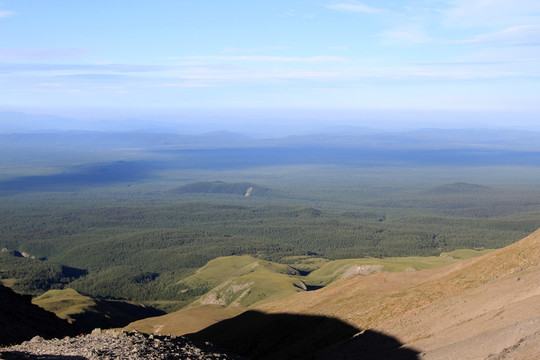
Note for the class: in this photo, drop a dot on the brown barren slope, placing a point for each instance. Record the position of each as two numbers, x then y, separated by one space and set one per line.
185 321
486 306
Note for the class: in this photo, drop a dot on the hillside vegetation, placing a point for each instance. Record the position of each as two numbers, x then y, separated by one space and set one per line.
88 313
237 283
143 253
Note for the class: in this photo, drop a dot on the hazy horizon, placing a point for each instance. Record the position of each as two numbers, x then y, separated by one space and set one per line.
259 122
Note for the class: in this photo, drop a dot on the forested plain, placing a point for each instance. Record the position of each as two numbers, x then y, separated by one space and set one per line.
130 216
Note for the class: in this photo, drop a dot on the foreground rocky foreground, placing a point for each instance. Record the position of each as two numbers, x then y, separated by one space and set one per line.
113 345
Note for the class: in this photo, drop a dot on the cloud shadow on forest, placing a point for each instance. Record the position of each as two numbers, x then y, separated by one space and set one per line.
80 176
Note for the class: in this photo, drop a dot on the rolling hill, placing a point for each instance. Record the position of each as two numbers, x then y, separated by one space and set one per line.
237 283
243 281
88 313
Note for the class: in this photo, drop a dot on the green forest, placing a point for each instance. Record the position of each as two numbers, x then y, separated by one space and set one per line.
143 252
134 224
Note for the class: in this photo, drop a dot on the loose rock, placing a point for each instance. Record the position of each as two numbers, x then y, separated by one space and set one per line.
114 345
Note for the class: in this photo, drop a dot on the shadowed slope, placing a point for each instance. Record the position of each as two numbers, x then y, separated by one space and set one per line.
20 320
287 336
89 313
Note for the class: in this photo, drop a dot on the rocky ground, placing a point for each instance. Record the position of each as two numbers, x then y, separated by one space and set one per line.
113 345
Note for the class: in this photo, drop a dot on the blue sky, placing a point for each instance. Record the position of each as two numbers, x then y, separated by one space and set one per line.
111 57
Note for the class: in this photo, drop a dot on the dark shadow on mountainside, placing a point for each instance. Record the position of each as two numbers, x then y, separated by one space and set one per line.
21 320
112 314
257 335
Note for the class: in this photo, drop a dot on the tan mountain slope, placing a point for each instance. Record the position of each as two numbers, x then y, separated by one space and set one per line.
498 313
480 307
185 321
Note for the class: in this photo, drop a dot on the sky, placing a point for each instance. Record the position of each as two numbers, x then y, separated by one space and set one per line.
303 59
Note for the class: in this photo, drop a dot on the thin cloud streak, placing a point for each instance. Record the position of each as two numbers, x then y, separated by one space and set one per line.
254 50
41 54
523 35
115 68
298 59
224 76
476 13
356 7
405 36
6 13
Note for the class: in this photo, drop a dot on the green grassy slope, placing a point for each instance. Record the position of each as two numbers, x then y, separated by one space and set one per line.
237 283
334 270
88 313
243 281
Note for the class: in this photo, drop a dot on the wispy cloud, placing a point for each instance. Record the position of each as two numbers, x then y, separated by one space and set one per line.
184 85
350 75
80 68
405 36
474 13
206 75
6 13
308 59
95 77
294 13
290 12
356 7
517 35
254 50
42 54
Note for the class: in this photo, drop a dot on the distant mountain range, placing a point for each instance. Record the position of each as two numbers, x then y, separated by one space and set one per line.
180 135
